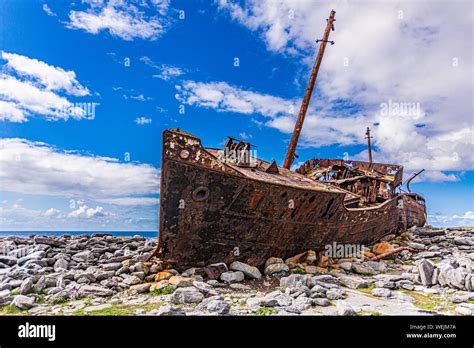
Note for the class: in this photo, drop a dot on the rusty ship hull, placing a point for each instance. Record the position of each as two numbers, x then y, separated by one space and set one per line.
212 211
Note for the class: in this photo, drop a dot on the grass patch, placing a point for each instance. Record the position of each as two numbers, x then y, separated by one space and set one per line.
39 299
367 289
298 270
429 302
266 311
119 310
167 290
11 310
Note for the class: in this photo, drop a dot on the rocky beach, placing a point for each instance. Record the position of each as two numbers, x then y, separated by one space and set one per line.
423 271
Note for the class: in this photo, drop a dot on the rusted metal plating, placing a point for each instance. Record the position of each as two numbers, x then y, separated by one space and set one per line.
214 211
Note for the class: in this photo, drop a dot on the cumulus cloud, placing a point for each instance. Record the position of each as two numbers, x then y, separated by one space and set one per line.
396 136
40 169
142 120
31 87
224 97
376 68
85 212
127 20
466 219
48 76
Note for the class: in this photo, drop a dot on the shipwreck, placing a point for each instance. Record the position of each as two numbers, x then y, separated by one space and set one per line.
225 205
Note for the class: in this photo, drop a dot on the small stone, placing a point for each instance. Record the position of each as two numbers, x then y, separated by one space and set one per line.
381 292
295 281
322 302
354 282
4 293
82 256
186 295
132 280
250 272
163 275
61 265
180 281
140 288
159 285
343 308
168 310
463 310
8 260
272 261
112 266
276 269
382 248
201 286
94 290
335 294
26 286
232 277
346 266
218 306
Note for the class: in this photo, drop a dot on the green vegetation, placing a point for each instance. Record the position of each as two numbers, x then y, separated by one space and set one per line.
429 302
266 311
119 309
163 291
298 270
367 289
11 310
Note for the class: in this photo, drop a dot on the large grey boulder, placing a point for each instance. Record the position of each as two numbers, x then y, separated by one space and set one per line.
95 290
232 277
23 302
344 308
425 269
26 286
250 272
186 295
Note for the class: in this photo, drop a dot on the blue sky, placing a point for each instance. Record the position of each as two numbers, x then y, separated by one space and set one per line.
218 68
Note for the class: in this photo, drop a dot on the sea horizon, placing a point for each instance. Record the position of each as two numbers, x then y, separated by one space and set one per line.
26 234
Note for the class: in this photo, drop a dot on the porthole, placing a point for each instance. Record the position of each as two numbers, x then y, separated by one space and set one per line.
200 194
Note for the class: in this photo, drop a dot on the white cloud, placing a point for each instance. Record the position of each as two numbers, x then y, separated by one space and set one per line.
130 201
40 169
51 212
123 19
398 55
48 11
48 76
166 72
31 87
223 97
396 136
142 120
466 219
85 212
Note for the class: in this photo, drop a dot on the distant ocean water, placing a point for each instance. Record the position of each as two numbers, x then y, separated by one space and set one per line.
26 234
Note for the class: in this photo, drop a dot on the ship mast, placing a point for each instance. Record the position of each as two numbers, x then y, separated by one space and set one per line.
290 154
369 147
